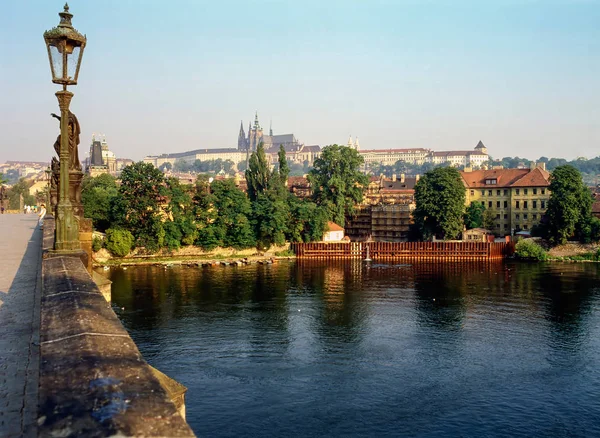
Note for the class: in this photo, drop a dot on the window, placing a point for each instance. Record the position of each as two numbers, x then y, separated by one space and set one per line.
517 191
490 204
506 226
472 192
525 217
543 204
497 204
517 217
535 217
498 226
524 191
505 216
525 226
489 193
543 191
505 192
535 191
534 204
517 204
483 193
497 192
505 204
498 216
525 204
490 181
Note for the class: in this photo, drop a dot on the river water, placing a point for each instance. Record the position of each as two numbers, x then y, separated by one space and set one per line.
348 349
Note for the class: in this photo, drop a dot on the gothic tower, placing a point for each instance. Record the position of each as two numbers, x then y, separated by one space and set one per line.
242 141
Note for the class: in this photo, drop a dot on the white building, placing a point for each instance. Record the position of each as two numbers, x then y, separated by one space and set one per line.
334 233
419 156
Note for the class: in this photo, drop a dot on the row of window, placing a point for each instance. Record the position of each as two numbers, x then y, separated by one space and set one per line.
525 227
518 216
505 192
517 204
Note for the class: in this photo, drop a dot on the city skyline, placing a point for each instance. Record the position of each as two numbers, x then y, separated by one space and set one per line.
163 78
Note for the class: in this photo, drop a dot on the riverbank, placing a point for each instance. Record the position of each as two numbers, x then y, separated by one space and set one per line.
193 256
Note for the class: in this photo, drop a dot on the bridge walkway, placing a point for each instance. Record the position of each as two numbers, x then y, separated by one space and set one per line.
20 287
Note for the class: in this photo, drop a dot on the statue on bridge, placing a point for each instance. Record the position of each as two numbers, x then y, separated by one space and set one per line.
74 130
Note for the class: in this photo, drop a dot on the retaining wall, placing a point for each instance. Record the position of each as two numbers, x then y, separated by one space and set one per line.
93 380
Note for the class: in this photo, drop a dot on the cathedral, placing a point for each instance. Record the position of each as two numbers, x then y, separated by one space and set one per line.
249 143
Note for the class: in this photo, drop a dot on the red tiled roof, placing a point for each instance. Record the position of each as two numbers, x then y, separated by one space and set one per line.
596 207
297 181
538 177
334 227
507 178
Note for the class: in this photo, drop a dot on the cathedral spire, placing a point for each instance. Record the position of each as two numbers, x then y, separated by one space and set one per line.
242 133
271 128
256 124
350 143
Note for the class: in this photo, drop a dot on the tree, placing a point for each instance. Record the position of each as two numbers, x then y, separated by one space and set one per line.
336 181
257 174
204 214
284 169
570 204
98 196
179 227
165 166
488 220
231 227
474 215
3 179
440 204
20 189
307 223
138 208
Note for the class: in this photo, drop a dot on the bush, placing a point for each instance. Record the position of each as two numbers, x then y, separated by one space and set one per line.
118 241
97 244
528 249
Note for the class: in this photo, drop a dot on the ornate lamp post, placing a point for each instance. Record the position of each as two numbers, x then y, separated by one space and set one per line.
65 50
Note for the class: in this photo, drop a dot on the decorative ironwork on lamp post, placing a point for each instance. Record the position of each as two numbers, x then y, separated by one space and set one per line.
65 51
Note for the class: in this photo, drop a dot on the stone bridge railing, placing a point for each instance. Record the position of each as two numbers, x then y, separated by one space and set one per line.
93 379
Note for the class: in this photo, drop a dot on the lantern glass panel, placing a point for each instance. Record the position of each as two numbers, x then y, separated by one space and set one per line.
72 61
57 62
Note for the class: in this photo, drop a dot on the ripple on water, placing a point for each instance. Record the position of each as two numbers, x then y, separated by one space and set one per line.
381 350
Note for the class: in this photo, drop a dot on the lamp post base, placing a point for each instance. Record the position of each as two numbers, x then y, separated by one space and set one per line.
67 229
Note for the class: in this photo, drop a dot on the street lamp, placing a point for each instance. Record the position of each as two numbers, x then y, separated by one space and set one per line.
65 50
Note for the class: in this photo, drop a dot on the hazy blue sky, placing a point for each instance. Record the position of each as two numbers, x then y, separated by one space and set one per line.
169 76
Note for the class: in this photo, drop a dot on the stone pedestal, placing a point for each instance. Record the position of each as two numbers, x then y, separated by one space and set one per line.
85 239
75 178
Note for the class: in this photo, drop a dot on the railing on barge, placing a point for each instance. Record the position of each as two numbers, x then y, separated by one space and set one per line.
426 251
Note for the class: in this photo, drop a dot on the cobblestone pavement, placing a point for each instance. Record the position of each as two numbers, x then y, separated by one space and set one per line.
20 277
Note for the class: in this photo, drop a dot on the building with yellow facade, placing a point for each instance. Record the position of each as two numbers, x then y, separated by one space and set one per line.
517 198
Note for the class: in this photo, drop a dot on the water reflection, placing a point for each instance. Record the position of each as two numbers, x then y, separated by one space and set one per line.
354 349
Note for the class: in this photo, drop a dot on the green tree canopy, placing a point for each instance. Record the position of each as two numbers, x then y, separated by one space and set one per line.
20 189
474 215
138 207
570 204
440 204
231 227
98 196
258 174
284 169
337 182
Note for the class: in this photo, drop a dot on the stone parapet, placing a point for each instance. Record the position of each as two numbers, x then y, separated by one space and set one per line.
93 380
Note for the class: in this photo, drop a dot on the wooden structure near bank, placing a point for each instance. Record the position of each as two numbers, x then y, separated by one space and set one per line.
424 251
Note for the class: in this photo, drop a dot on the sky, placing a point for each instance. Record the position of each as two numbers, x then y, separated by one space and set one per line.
157 77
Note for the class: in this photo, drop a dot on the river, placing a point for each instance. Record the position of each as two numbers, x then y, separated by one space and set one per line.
352 349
